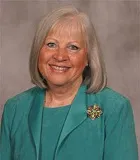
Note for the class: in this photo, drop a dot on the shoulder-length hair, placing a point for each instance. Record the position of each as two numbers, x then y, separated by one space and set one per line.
94 75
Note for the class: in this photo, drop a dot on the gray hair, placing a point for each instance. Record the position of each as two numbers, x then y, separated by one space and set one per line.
94 75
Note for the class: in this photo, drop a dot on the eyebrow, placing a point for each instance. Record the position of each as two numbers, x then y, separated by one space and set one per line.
72 41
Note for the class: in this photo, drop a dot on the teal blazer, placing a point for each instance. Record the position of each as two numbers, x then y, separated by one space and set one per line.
109 137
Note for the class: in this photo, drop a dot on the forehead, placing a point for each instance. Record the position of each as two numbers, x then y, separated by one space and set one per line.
70 27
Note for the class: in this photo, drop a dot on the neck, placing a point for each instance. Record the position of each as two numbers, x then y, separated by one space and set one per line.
62 95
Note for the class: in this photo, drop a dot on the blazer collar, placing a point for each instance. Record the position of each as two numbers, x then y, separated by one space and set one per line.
76 115
35 118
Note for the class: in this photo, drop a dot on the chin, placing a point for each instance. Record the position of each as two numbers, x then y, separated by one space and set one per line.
58 83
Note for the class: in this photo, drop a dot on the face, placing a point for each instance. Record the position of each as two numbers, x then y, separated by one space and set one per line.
63 56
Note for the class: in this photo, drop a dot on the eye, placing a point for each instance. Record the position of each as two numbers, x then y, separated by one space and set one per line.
73 47
51 45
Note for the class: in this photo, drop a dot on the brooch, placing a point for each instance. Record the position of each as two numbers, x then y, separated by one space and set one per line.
94 112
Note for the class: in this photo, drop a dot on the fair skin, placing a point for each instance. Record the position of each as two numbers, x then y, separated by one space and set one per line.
62 60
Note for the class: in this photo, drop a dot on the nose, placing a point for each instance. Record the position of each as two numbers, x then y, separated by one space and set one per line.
61 55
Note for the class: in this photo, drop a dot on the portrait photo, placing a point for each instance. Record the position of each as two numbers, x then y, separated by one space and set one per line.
70 82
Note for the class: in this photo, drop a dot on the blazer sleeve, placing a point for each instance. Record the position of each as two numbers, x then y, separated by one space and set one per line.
6 123
120 140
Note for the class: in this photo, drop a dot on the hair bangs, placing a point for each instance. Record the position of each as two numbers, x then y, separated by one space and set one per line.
72 25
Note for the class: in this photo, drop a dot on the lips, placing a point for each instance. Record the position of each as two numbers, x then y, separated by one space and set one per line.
60 69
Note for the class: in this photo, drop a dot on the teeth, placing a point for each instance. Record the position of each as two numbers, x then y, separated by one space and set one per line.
59 68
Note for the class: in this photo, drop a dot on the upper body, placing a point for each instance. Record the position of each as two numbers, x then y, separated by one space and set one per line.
67 67
109 137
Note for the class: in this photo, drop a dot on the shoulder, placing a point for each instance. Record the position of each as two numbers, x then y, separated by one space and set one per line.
109 95
25 95
23 98
17 108
112 102
20 102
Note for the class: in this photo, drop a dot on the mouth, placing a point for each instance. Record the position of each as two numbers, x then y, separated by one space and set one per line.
59 69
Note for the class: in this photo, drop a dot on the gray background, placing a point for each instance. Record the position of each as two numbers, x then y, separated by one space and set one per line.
117 24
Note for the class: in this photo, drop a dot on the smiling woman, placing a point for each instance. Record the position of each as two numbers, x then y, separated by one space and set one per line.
63 56
71 114
65 29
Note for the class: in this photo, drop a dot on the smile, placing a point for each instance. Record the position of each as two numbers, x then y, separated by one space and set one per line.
59 68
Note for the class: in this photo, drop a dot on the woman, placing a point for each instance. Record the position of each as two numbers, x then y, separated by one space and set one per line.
71 114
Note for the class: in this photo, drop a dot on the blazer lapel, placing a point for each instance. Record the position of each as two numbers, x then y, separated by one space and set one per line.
77 114
35 118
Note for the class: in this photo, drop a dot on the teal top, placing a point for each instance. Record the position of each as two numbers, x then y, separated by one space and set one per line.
110 136
53 120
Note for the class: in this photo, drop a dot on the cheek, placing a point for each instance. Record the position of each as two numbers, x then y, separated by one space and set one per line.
42 61
80 61
43 56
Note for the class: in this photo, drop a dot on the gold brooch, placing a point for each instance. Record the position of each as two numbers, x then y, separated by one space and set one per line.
94 112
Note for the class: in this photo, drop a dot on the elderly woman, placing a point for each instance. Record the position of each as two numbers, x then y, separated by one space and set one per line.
70 114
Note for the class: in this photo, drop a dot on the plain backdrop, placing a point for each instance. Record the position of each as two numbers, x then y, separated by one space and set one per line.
117 23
